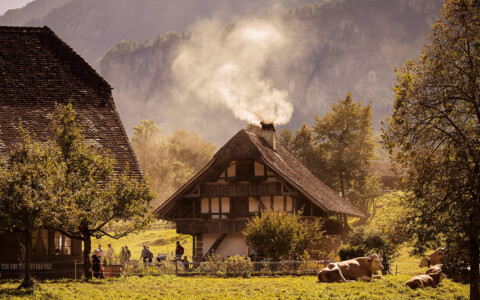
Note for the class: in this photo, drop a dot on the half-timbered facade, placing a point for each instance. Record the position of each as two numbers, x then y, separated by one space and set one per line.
251 172
38 70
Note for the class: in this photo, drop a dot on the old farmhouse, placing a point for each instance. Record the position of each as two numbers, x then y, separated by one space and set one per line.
251 172
37 70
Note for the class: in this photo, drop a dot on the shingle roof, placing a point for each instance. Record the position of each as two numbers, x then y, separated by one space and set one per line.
37 70
248 145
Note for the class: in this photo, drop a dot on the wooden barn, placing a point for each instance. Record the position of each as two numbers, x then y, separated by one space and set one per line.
251 172
37 70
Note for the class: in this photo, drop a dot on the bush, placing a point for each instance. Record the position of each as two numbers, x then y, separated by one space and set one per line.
368 241
278 235
349 252
238 266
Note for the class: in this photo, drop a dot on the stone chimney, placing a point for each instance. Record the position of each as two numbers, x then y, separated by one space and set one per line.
268 133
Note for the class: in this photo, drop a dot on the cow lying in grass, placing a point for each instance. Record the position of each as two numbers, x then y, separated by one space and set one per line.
433 259
360 268
422 281
456 275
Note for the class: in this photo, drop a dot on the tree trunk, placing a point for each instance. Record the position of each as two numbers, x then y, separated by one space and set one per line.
27 279
87 247
345 219
474 267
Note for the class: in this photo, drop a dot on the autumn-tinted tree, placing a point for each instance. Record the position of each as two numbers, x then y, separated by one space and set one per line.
29 179
279 235
434 134
169 160
345 143
100 201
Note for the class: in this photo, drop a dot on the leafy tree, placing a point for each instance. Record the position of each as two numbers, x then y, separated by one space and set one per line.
363 193
345 143
28 179
278 235
99 197
434 134
169 160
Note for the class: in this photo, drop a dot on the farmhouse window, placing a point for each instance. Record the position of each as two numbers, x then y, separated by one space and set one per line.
40 242
230 172
63 244
259 169
216 207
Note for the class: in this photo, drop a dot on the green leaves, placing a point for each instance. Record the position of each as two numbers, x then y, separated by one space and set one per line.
279 235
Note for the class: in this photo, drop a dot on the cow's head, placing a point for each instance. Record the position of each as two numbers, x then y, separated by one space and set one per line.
424 262
375 262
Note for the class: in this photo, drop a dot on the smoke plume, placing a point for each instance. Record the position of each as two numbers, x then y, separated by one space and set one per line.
226 66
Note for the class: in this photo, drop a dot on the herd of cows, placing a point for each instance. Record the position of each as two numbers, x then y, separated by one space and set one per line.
364 268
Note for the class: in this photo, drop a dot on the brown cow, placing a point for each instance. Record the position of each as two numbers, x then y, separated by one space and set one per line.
422 281
434 269
360 268
433 259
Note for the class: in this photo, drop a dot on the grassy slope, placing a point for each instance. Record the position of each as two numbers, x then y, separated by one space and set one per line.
168 287
159 241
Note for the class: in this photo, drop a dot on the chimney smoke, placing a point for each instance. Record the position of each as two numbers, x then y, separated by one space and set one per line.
268 133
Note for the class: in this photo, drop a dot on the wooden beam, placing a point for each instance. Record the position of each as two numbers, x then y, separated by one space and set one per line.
260 204
215 245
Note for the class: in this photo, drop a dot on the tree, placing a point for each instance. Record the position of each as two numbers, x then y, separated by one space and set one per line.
28 179
345 143
99 197
363 193
169 161
278 235
434 134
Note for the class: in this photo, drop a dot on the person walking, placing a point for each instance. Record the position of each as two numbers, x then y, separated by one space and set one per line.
110 255
96 264
129 254
145 255
123 256
179 251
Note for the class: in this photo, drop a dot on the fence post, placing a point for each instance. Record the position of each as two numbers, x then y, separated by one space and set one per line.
75 270
396 269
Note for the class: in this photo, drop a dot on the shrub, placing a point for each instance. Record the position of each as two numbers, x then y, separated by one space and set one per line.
349 252
212 265
371 241
278 235
238 266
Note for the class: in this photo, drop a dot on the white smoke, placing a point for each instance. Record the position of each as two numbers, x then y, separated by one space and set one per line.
227 66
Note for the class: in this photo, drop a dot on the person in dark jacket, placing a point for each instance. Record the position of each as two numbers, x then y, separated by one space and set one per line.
96 264
179 251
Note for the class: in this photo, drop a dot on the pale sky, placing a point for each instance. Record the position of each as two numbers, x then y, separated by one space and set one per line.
10 4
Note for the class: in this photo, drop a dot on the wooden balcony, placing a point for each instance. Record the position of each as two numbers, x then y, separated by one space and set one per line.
195 226
241 189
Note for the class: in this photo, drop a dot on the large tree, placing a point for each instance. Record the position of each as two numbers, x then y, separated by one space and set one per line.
345 143
101 201
29 184
434 133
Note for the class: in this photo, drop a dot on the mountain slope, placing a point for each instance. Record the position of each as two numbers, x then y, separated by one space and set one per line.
34 10
346 46
91 27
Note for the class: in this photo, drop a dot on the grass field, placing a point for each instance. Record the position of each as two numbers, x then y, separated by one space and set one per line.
202 287
169 287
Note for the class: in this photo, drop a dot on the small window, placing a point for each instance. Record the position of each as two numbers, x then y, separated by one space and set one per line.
63 244
231 171
40 242
259 169
225 205
278 203
289 204
205 206
215 205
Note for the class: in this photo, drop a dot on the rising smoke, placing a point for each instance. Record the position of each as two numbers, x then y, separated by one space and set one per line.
226 67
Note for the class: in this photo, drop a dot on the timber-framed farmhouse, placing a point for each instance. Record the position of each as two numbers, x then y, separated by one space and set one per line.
251 172
37 70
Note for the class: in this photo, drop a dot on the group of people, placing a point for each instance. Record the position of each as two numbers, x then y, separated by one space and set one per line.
108 258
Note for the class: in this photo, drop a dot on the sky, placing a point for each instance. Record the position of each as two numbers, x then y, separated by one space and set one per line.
11 4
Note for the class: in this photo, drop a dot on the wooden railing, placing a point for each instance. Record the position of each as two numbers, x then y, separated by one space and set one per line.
241 189
193 226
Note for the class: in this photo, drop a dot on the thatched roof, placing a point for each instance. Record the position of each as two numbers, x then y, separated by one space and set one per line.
247 145
37 70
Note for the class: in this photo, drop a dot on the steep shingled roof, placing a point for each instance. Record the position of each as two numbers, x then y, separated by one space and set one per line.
248 145
37 70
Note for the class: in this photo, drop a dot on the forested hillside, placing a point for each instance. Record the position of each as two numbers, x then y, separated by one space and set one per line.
91 27
34 10
340 46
